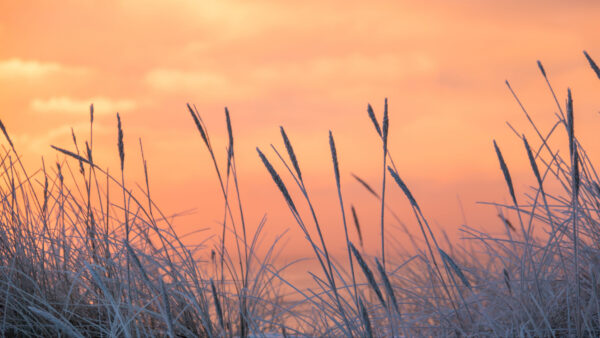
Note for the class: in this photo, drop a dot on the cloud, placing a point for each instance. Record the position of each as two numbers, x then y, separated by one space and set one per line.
69 105
174 80
40 142
17 68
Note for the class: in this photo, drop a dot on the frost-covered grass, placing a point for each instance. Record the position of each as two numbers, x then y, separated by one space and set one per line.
82 255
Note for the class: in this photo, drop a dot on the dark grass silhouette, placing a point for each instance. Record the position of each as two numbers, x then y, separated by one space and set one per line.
77 261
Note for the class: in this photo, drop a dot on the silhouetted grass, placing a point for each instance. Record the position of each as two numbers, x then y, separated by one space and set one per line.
75 262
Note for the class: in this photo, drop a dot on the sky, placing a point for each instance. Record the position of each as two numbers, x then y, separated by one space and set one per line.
310 66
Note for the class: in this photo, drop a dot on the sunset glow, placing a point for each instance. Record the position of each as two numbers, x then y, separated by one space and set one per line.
310 66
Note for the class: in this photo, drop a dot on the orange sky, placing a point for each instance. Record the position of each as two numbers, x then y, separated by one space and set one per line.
310 66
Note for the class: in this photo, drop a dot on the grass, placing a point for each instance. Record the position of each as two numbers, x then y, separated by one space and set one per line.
77 260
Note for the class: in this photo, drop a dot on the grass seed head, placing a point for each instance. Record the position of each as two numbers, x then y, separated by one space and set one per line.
365 318
388 285
592 64
366 185
291 154
120 142
367 272
532 162
385 124
506 173
455 268
539 63
198 123
336 167
277 179
217 303
404 188
6 135
357 224
374 119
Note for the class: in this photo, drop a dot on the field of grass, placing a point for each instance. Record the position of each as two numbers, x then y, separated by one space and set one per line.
81 255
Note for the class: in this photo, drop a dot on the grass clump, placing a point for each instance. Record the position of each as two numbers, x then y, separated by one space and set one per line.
76 261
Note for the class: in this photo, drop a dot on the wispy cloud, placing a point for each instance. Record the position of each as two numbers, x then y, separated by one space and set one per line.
177 80
40 142
67 105
18 68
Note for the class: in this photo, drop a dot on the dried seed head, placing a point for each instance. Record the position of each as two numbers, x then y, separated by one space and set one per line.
507 222
229 129
404 188
455 268
6 135
89 152
367 272
576 177
291 154
388 285
366 185
539 63
336 168
59 171
217 303
365 318
386 124
570 122
198 123
592 64
120 142
507 280
506 173
71 154
277 180
230 134
534 166
92 113
77 149
374 119
357 225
